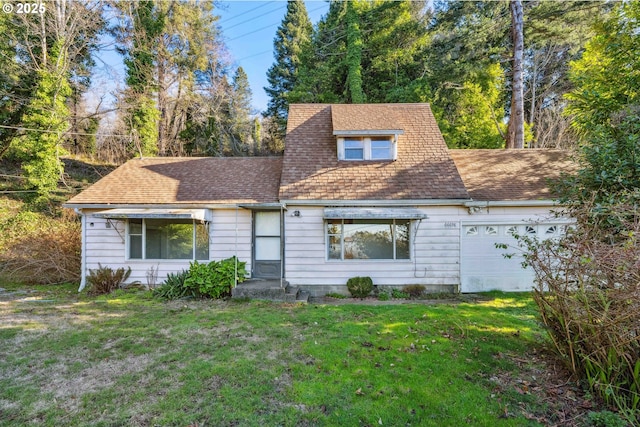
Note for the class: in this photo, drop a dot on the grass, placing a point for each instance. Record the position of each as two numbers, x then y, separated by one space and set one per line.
126 359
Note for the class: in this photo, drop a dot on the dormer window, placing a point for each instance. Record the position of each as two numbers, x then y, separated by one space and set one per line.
353 149
381 149
367 148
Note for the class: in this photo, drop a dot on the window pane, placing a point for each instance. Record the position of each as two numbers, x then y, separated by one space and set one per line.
368 239
267 248
135 247
335 251
202 241
380 149
353 149
267 223
402 240
135 226
334 226
169 239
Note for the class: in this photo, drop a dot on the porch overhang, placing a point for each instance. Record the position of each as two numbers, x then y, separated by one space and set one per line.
373 213
153 213
263 206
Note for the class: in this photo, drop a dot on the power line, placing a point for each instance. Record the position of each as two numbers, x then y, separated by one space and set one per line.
268 26
255 54
247 12
66 133
254 18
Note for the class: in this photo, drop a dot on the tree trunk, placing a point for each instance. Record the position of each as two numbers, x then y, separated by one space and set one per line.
515 137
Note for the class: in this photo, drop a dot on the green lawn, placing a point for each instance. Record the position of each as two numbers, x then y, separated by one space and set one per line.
128 359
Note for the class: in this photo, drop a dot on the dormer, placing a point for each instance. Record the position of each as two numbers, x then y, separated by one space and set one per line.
365 132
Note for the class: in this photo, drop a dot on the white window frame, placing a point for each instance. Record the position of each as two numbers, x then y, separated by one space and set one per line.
367 152
194 248
340 234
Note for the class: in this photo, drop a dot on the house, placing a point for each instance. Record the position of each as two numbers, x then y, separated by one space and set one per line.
361 190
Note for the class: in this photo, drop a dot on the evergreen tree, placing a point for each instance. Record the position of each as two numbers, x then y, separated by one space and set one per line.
354 94
45 120
365 51
239 128
606 108
293 36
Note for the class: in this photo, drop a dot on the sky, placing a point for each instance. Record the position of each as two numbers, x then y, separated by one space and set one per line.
248 28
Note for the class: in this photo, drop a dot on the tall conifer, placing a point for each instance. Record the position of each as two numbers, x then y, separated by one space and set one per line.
292 36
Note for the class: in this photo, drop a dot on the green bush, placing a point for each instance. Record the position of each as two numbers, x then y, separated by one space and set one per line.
605 419
212 280
105 280
397 293
360 287
173 287
414 291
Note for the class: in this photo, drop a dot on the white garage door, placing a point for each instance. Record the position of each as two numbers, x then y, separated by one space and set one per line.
483 267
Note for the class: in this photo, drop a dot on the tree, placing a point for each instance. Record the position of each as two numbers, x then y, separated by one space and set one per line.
477 121
355 93
515 133
45 120
293 36
239 126
365 51
605 105
51 47
169 47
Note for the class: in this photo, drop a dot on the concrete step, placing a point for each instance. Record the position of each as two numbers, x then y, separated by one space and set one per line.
269 290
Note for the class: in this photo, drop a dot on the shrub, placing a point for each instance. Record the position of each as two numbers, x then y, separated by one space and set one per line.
38 249
173 287
397 293
335 295
212 280
360 287
105 280
384 296
414 291
587 293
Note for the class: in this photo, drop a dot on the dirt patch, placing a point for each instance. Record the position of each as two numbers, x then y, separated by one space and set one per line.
542 376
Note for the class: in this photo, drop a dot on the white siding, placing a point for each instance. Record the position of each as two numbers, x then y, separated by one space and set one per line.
434 246
436 252
105 244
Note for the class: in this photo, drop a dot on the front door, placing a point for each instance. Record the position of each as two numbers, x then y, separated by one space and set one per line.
267 244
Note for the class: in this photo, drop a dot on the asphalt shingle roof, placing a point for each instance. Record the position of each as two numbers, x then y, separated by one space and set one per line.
187 180
311 169
492 175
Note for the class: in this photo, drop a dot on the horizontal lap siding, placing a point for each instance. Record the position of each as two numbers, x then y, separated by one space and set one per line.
106 245
224 243
434 261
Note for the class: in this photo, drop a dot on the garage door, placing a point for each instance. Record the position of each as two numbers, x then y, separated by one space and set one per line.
483 267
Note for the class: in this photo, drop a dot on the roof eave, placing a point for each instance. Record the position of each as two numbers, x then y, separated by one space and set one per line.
397 202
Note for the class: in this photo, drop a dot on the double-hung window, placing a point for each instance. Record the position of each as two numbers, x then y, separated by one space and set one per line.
353 149
167 239
361 148
361 239
381 149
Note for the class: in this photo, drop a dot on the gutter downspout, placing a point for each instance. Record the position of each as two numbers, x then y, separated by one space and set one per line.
281 246
83 250
235 264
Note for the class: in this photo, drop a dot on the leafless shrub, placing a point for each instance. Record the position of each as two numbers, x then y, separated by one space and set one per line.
588 292
42 250
104 280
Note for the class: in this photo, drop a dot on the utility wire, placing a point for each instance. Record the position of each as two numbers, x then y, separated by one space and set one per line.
279 8
247 12
66 133
268 26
